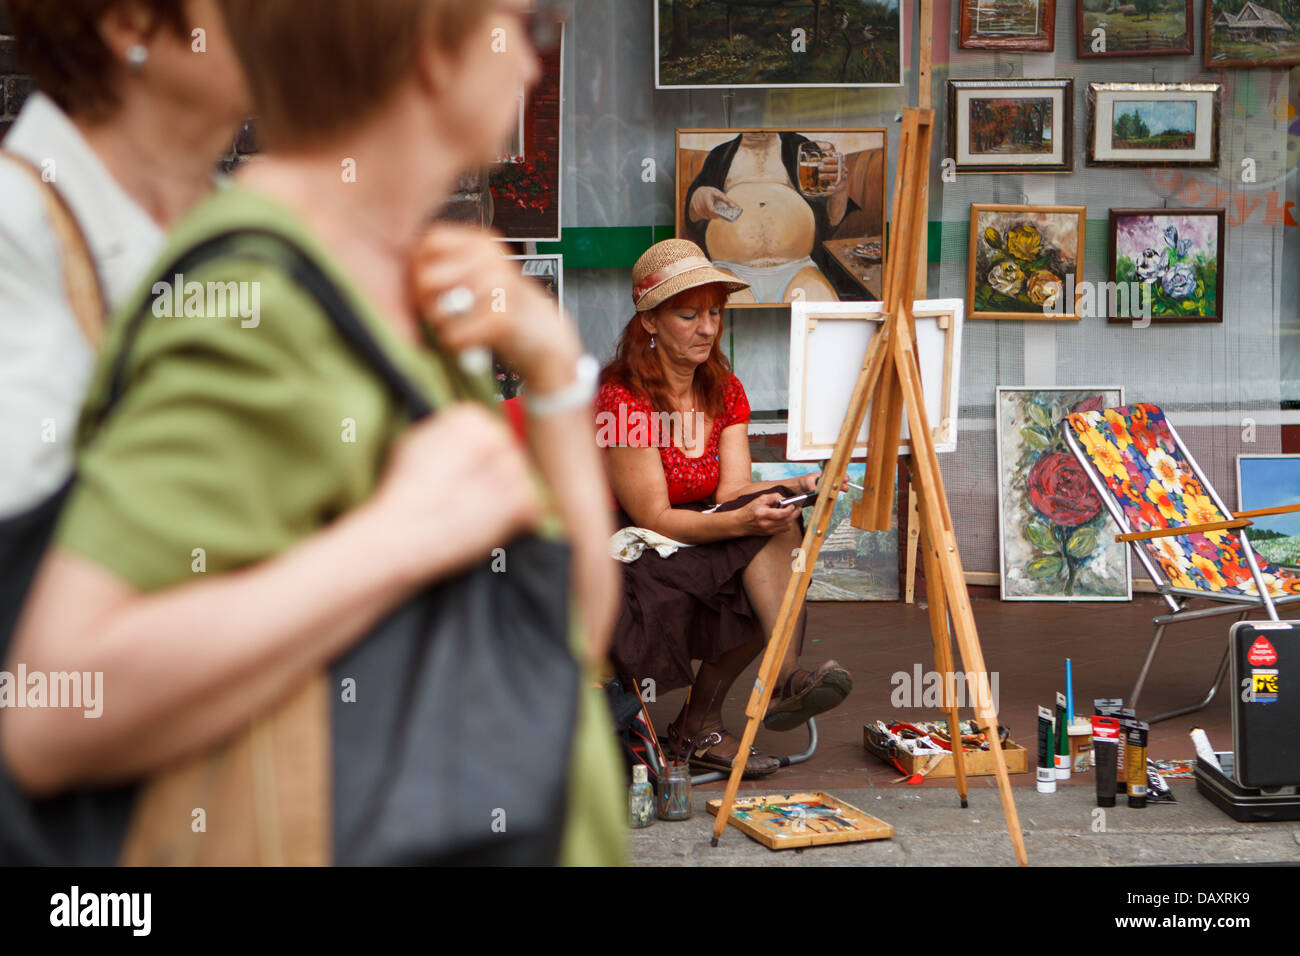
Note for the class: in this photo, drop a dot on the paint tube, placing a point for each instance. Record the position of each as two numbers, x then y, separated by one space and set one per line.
1062 740
1157 787
1046 769
1135 762
1203 749
1105 747
1127 718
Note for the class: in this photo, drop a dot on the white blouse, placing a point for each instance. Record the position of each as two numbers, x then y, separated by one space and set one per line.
45 362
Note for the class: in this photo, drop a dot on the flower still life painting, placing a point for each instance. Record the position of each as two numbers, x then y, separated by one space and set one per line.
1024 261
1177 254
1056 539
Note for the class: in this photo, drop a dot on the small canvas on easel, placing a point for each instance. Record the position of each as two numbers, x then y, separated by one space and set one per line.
1055 537
853 565
786 821
827 342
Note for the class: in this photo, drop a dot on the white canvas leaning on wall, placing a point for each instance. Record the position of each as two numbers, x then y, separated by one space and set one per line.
828 343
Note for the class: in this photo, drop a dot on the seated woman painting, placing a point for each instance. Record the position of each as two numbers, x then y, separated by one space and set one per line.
673 421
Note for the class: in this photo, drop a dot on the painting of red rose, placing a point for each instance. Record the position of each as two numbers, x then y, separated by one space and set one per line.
1055 535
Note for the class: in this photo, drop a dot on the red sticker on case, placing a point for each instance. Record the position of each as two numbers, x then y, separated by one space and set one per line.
1261 653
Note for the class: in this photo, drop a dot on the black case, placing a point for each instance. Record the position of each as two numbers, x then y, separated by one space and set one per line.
1242 803
1266 708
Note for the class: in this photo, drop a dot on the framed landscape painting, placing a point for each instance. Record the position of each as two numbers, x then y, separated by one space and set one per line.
1178 253
1011 126
1153 124
1024 261
703 44
1056 539
1023 25
1270 481
1252 33
807 222
1108 28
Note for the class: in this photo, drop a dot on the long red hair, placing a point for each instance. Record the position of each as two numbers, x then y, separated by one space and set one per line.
636 367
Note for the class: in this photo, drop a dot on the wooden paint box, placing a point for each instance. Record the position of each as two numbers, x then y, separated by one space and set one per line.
979 763
784 821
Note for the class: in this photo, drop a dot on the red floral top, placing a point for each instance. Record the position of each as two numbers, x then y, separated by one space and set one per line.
624 418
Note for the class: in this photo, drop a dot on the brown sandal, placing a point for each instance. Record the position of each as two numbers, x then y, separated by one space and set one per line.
821 691
701 758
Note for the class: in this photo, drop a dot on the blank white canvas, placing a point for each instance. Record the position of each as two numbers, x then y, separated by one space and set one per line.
825 361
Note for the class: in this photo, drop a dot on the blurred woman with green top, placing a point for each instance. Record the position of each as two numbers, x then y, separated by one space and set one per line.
266 446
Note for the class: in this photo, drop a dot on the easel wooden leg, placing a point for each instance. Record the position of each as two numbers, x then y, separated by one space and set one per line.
952 581
939 631
891 381
913 540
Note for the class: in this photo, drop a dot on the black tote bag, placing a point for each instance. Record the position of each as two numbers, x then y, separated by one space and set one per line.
455 744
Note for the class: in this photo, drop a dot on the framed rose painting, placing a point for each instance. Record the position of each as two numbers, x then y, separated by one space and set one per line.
1024 261
1055 538
1176 254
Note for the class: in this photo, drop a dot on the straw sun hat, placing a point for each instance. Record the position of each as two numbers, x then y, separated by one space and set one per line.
673 266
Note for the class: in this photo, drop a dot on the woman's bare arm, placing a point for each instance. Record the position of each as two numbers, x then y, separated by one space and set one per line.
185 666
637 477
735 467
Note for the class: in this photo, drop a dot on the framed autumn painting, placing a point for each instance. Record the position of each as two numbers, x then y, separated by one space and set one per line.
1011 126
1014 25
1024 261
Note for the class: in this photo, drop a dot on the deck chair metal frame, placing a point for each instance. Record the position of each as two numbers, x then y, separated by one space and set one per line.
1178 598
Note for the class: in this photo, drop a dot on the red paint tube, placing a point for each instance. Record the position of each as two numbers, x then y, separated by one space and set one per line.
1105 755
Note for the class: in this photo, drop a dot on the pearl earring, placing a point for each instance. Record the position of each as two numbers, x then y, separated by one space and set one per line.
137 55
652 342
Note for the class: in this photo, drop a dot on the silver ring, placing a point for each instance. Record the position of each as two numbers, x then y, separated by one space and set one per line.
455 302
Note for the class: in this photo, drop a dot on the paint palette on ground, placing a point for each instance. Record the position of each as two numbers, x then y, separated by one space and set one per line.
791 820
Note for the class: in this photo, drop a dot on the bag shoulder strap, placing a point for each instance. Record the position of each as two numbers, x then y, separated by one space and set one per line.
284 252
80 277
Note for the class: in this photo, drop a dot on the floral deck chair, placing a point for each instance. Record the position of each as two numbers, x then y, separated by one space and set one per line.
1191 545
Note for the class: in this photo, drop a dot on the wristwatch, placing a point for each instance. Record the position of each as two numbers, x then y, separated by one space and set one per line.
575 395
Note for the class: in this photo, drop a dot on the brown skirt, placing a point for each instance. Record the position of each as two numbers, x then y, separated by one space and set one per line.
688 606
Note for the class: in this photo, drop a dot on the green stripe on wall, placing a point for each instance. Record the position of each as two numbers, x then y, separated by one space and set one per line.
618 247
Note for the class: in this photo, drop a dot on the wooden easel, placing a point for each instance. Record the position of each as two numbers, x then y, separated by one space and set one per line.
890 381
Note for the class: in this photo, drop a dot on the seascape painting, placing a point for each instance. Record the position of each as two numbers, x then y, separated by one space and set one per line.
1056 538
